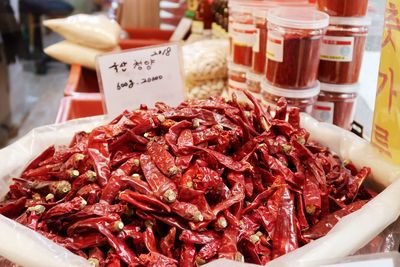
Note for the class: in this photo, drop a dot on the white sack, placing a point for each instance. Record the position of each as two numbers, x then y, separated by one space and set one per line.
96 31
350 234
71 53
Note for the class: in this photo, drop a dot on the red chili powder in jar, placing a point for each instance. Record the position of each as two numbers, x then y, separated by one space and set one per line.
293 46
303 99
243 40
344 8
342 50
260 42
336 104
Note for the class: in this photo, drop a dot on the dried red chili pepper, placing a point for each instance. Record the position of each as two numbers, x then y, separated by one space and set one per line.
163 159
162 187
187 257
167 243
65 208
99 153
90 193
96 257
12 208
49 152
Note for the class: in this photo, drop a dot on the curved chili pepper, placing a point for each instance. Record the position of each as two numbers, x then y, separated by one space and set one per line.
162 158
162 187
12 208
187 211
137 184
172 221
96 257
90 193
65 208
157 259
128 199
148 200
49 152
99 153
208 251
120 247
150 240
86 241
201 238
45 170
228 246
188 254
113 260
167 243
91 223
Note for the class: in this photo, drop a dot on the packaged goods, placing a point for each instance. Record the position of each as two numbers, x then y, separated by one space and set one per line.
237 72
205 60
342 50
205 89
336 104
71 53
96 31
344 8
293 46
302 99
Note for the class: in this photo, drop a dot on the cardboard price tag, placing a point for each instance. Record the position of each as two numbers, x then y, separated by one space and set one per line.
140 76
181 30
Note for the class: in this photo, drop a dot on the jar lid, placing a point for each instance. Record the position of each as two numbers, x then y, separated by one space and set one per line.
236 67
260 13
340 88
298 17
254 76
237 85
350 21
290 93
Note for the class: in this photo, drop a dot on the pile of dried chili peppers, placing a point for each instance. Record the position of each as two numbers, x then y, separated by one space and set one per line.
184 186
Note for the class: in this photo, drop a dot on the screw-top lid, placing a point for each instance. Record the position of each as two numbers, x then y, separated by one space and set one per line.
350 21
298 17
340 88
290 93
237 85
236 67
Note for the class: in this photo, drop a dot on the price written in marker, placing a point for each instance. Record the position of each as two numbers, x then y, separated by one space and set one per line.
140 76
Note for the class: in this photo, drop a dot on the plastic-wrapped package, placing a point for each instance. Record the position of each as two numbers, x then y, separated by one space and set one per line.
96 31
205 60
350 234
71 53
205 89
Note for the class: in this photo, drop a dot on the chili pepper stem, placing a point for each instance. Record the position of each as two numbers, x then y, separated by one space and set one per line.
118 226
222 222
63 188
38 209
169 196
49 197
198 217
91 176
94 262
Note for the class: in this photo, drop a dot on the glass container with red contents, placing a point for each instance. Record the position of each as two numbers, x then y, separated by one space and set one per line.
293 46
344 8
304 99
260 41
342 50
242 32
336 104
237 88
237 72
253 81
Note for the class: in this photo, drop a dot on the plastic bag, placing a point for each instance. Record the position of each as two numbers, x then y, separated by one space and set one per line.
349 235
205 89
71 53
205 60
96 31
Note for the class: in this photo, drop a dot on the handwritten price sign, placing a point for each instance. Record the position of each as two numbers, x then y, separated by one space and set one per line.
141 76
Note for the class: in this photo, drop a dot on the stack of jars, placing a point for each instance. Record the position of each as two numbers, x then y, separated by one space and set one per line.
340 60
294 40
248 42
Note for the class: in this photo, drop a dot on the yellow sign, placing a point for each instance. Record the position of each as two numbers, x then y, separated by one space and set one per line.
386 127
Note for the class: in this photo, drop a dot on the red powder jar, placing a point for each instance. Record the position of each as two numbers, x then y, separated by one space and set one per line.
336 104
342 50
303 99
237 72
293 46
237 88
242 32
253 81
260 41
344 8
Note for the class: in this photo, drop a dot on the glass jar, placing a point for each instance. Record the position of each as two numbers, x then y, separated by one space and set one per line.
303 99
344 8
242 33
253 81
237 72
260 41
336 104
293 46
342 50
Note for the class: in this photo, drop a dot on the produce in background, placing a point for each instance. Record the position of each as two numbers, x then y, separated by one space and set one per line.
205 68
208 179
